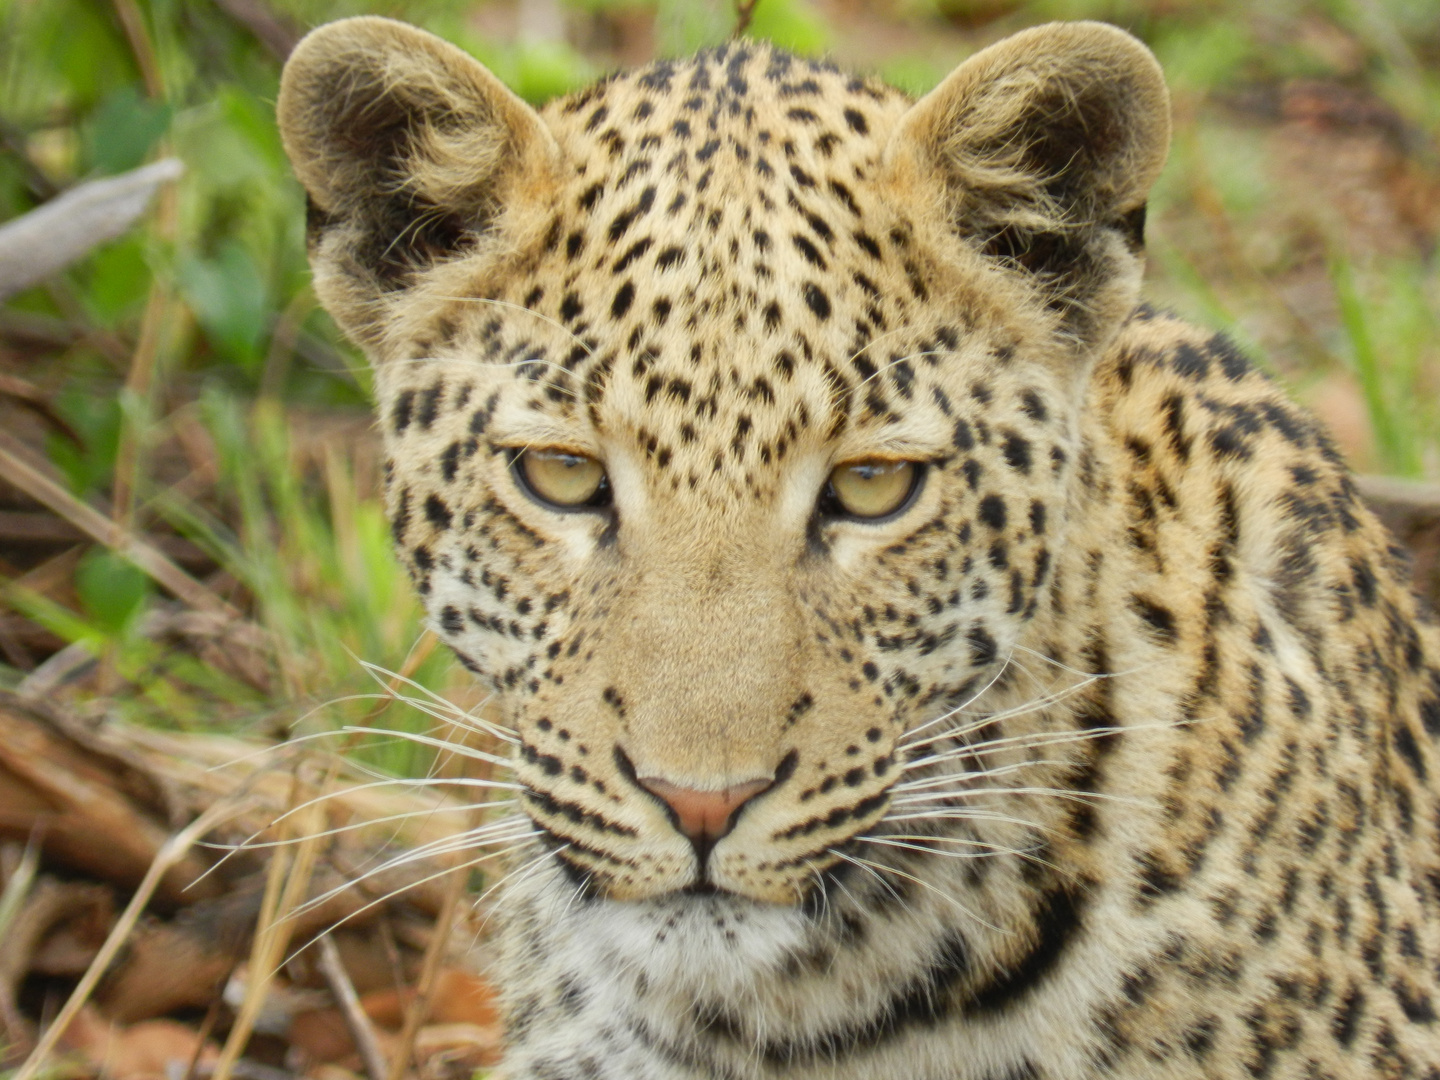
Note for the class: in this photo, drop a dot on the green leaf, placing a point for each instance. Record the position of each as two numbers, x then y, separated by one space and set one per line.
123 129
229 298
95 417
116 280
112 591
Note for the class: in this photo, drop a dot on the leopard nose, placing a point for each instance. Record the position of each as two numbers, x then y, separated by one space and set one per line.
704 816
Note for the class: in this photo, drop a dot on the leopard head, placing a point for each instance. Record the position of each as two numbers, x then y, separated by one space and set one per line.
731 405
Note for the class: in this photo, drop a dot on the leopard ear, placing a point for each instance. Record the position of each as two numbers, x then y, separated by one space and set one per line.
1044 147
407 148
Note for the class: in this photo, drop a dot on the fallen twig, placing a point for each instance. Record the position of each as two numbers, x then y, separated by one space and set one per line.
287 883
348 1001
31 478
170 855
69 226
419 1006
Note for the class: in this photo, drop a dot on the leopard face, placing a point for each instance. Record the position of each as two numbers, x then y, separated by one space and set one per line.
713 285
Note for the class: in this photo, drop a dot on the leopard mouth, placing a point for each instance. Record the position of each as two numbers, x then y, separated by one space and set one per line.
595 873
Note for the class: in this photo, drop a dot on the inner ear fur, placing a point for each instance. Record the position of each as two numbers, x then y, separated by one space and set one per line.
403 144
1046 146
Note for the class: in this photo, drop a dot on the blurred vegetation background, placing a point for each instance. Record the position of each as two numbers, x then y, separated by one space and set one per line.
182 383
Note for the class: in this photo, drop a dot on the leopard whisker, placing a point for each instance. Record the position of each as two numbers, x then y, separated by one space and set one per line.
351 789
527 311
524 871
873 870
473 839
1071 794
1077 671
957 814
458 749
988 747
972 779
966 703
988 851
986 719
384 899
389 895
452 711
923 884
248 845
898 361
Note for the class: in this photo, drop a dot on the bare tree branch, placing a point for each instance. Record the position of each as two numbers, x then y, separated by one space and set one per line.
70 226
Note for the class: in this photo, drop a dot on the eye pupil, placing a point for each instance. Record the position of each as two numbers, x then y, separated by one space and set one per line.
563 479
871 489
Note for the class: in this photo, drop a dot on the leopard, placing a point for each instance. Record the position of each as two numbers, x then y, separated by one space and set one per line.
916 656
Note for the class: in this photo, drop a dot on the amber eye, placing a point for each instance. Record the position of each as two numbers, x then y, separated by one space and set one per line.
562 479
871 489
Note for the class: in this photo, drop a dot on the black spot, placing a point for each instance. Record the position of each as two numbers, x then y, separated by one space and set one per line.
983 648
636 250
1156 880
1346 1021
1190 362
624 297
1037 517
450 462
451 620
1415 1004
816 300
964 437
590 196
809 252
1228 442
1406 746
625 219
1365 583
1159 619
1017 452
1200 1038
436 512
992 511
1232 360
429 406
400 414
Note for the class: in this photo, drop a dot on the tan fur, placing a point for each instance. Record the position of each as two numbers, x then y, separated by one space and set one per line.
1110 754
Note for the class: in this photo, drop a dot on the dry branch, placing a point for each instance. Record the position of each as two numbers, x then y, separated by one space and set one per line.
170 855
70 226
356 1022
72 798
34 479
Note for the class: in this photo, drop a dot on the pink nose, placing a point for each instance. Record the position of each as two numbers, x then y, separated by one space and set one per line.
704 816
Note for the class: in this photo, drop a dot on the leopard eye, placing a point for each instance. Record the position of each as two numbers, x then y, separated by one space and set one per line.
561 479
871 489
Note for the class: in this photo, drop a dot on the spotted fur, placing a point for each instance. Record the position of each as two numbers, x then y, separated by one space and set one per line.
1111 754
